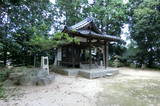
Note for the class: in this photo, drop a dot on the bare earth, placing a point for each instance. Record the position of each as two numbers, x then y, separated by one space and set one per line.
130 88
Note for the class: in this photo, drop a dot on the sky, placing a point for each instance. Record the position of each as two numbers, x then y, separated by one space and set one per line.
125 30
125 34
53 1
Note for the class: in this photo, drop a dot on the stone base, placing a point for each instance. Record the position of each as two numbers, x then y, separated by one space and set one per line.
45 80
71 72
98 74
92 73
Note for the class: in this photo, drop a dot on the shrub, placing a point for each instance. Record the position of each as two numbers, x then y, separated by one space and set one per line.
4 74
110 62
57 69
132 65
116 63
19 69
2 91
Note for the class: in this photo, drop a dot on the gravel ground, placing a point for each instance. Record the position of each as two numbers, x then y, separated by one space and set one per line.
130 88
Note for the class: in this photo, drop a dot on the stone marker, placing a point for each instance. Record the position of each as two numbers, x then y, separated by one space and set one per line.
45 64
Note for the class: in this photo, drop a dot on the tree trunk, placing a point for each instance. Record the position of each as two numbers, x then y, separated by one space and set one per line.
150 62
5 58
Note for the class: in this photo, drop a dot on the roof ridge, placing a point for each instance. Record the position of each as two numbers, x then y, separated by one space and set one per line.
82 23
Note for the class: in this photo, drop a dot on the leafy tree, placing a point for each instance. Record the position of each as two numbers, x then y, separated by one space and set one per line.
21 20
145 25
46 43
69 12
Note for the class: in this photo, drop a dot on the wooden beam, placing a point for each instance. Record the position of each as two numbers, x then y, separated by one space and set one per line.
92 43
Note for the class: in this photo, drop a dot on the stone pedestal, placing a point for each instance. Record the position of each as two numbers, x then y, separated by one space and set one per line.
45 64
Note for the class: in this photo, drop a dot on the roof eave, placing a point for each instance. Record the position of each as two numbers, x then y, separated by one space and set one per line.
91 34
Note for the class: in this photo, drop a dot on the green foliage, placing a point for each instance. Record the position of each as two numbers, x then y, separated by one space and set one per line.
19 22
2 91
4 74
116 63
59 70
145 31
71 10
130 54
19 69
110 15
132 65
57 39
63 38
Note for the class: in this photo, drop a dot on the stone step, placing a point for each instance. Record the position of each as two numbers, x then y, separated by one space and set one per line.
98 74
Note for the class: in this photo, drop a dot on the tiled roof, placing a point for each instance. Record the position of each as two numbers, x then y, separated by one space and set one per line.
79 29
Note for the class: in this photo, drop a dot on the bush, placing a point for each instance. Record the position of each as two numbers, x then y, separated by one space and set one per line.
4 74
132 65
2 91
110 62
19 69
57 69
116 63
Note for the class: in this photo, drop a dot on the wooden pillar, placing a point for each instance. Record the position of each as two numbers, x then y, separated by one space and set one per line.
106 54
34 60
73 56
90 58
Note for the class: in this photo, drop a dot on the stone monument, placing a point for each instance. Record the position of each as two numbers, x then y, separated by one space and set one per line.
45 64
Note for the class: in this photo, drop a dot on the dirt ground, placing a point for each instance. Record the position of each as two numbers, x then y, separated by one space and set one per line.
132 87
